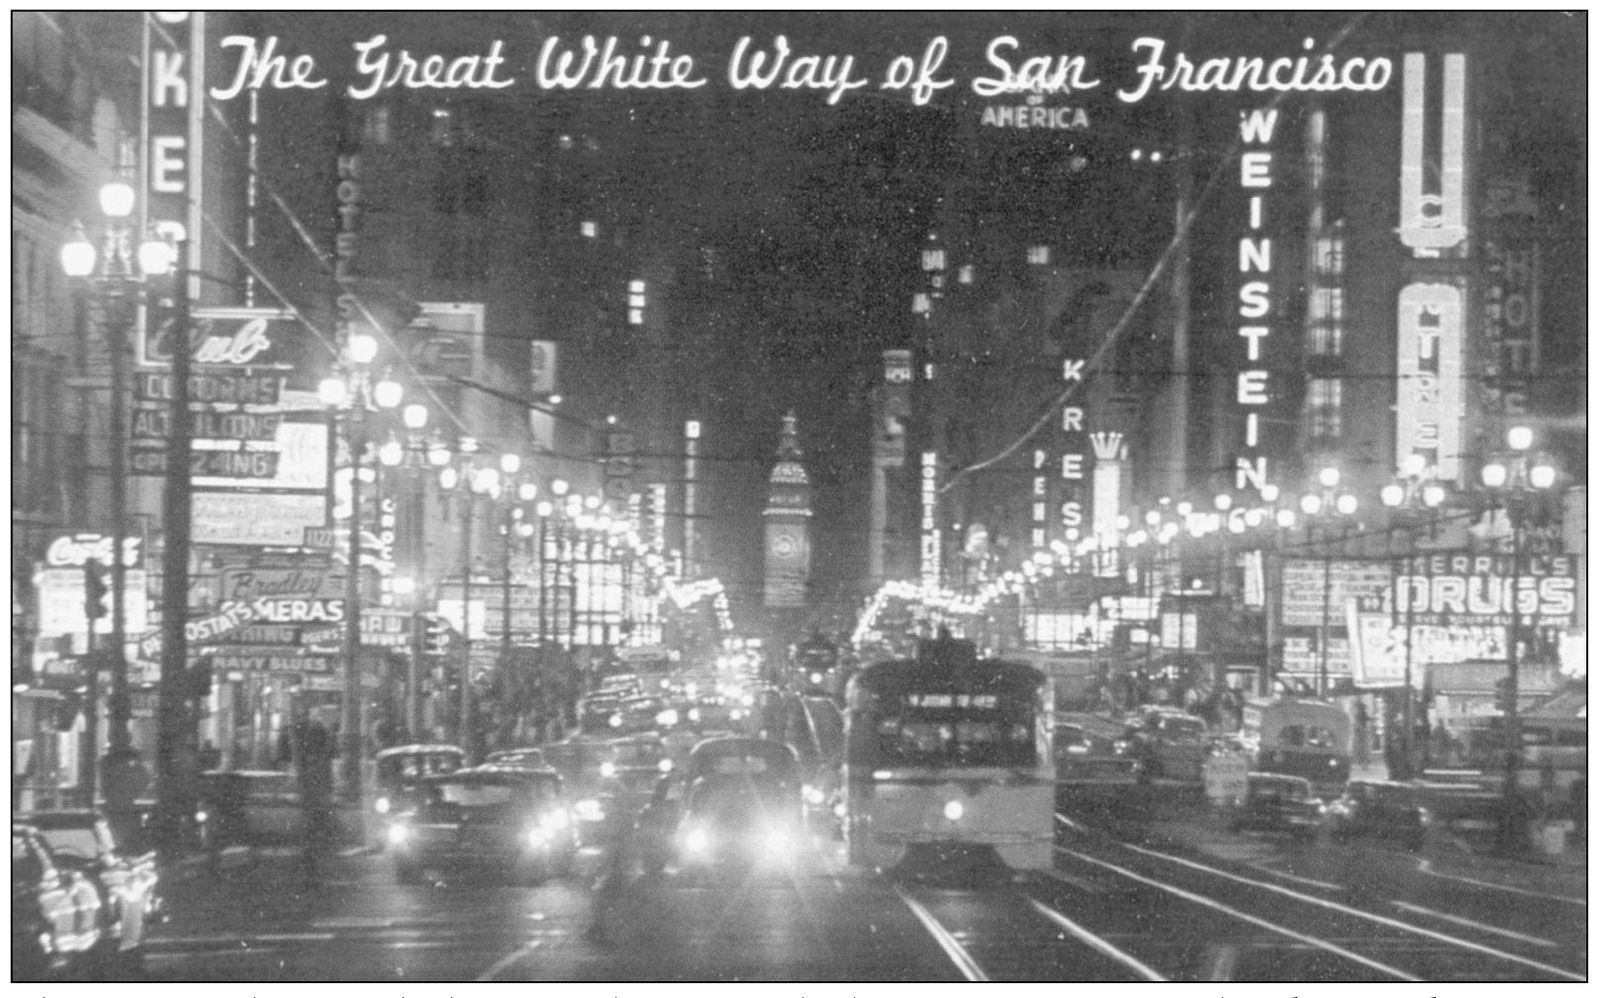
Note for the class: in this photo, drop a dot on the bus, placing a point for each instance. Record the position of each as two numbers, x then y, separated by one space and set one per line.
1308 738
949 751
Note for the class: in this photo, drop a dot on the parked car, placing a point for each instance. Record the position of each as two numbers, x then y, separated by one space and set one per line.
56 919
1380 809
506 821
82 841
1278 803
248 807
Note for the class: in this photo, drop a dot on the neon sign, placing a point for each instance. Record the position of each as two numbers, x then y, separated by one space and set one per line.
1254 262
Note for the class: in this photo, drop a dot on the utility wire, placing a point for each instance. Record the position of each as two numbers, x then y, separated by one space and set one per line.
1164 262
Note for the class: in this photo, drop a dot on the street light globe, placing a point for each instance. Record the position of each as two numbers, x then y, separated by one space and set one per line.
510 463
1434 495
1270 492
156 256
117 199
528 491
560 486
1392 495
1221 502
391 453
1121 522
1184 508
1254 517
362 348
544 509
1310 504
1153 518
415 416
1347 505
525 530
448 478
403 585
1329 477
1542 476
1493 475
486 480
438 455
1520 438
1414 465
78 253
592 502
332 391
1285 518
388 394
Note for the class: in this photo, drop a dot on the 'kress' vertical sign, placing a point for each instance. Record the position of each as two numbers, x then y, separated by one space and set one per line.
172 93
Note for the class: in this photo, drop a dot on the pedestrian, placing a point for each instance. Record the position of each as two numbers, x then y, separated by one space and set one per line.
315 758
614 872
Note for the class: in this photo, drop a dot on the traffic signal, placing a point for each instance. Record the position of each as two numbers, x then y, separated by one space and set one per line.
95 590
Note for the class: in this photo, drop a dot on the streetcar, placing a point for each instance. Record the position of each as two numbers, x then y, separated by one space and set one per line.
949 753
817 670
1308 738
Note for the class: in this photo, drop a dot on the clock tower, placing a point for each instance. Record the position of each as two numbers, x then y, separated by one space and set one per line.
788 512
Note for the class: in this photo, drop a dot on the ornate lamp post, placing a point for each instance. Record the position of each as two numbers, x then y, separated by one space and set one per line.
1411 492
409 585
1519 482
470 481
354 394
1327 504
113 277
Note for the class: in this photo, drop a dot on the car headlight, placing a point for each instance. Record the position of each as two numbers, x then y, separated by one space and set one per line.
812 795
382 805
615 720
666 765
606 770
776 842
666 718
589 810
953 810
693 716
816 679
735 714
696 840
555 819
397 834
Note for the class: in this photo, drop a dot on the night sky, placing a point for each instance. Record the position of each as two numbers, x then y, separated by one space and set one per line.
817 211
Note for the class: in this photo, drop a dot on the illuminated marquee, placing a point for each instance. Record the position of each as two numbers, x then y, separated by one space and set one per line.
1254 264
930 523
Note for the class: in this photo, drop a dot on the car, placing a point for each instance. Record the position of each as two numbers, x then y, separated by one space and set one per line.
401 770
1275 802
520 758
1173 745
512 822
1380 809
582 762
550 789
56 918
248 807
738 803
83 841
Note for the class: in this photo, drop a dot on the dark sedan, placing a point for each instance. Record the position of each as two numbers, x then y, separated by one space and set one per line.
506 821
1380 809
1276 803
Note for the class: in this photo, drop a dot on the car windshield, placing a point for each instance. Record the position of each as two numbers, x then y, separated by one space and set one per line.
529 757
476 794
424 764
1276 790
72 841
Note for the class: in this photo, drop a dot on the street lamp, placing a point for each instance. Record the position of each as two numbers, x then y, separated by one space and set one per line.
1414 489
113 276
1518 481
354 394
1325 505
411 457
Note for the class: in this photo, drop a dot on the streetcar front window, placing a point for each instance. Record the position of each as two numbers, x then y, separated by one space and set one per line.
920 737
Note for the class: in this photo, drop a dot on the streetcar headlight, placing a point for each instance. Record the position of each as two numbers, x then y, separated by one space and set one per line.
397 834
696 841
382 805
201 817
953 810
816 679
615 720
666 765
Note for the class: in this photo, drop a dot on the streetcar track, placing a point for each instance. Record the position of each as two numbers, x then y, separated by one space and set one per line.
1089 938
953 948
1471 923
1220 906
1357 913
1424 866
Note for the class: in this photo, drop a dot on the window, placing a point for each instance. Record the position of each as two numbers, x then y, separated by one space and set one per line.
1323 409
1326 317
